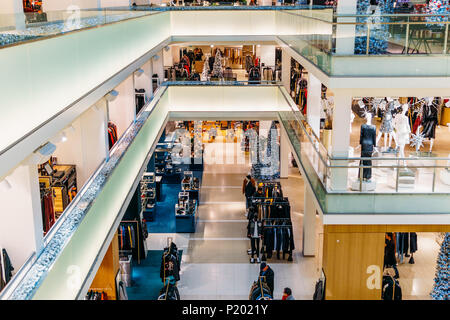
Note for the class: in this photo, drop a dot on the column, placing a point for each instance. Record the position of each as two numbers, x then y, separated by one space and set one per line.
340 138
13 14
286 70
122 109
158 66
309 223
285 150
21 227
144 81
314 103
267 54
345 34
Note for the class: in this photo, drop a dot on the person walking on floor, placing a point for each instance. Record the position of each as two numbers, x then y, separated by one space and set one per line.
389 253
248 189
267 272
254 229
287 294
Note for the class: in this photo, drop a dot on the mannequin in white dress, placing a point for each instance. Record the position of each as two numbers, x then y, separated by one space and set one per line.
403 131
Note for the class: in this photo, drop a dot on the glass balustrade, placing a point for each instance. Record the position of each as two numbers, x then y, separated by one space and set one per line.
390 174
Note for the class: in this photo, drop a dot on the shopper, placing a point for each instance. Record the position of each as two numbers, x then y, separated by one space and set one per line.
267 272
254 233
389 253
287 294
248 189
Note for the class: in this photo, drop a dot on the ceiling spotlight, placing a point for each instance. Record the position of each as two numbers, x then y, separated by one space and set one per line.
112 95
63 137
167 48
139 72
259 46
212 46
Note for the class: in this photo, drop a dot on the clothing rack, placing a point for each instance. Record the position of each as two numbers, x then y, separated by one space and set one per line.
138 239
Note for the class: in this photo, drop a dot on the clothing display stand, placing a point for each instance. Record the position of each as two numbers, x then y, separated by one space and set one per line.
170 272
148 195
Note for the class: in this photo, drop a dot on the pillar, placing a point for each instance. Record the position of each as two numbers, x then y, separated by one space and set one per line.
314 103
21 227
285 150
158 66
267 54
340 139
309 223
144 81
345 34
12 14
122 110
352 262
85 145
286 70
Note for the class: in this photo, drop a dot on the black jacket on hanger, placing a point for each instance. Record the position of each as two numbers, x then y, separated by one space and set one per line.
8 267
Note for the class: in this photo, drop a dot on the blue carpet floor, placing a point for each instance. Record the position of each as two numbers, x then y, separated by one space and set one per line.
145 279
164 218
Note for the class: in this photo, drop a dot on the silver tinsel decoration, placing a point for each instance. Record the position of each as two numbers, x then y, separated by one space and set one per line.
417 141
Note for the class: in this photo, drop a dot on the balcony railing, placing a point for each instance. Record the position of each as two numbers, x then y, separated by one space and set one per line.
413 174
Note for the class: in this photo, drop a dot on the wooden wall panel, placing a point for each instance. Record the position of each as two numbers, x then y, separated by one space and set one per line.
105 279
387 228
346 259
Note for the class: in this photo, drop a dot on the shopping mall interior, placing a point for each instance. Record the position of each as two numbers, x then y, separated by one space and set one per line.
174 151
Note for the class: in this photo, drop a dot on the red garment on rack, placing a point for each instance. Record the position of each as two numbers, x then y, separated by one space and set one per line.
49 214
417 123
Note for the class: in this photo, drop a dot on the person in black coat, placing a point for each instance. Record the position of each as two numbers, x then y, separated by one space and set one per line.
389 253
267 272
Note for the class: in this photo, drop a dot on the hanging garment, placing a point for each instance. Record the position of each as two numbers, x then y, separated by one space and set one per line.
319 290
112 134
430 121
417 123
403 242
288 240
367 140
387 122
412 242
254 75
389 253
391 289
169 267
268 241
7 266
269 275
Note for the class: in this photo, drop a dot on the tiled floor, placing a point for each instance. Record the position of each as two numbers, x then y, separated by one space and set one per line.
215 264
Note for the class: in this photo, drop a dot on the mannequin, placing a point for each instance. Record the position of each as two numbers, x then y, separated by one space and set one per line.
430 120
387 127
401 125
367 141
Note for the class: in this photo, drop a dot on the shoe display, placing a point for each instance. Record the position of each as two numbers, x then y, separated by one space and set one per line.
258 260
252 260
249 251
411 261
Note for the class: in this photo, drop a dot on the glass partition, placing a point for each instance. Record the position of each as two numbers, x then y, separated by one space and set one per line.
412 174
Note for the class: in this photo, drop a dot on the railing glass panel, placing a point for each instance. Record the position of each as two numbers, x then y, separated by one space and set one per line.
415 173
